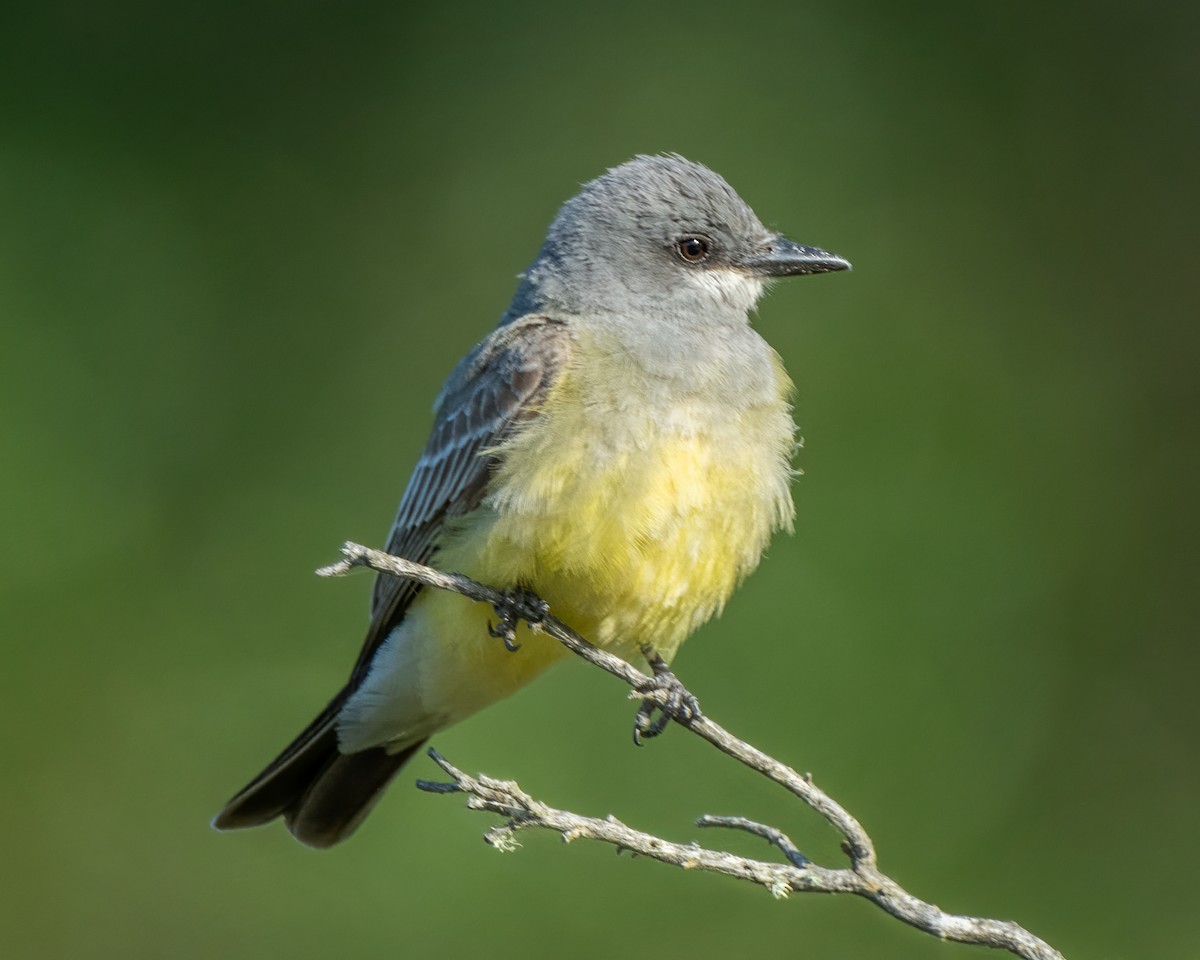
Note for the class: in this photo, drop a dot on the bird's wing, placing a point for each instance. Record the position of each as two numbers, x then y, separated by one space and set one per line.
500 385
497 387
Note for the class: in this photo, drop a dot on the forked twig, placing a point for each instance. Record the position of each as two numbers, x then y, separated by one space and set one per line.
661 691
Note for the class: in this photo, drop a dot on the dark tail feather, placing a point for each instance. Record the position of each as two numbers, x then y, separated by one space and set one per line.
340 798
322 794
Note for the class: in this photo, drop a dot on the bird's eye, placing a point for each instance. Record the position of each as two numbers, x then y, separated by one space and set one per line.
693 249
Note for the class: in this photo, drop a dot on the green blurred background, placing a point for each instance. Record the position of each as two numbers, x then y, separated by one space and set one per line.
240 247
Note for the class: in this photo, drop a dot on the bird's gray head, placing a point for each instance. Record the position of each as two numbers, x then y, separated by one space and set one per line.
661 235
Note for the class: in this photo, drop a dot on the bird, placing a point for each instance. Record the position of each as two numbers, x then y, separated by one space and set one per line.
620 446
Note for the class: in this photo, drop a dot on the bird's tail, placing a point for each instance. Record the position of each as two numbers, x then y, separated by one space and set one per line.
321 793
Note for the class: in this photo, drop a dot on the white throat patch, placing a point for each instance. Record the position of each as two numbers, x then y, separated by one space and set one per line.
732 287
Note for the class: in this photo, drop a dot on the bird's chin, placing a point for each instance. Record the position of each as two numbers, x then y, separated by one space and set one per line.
732 289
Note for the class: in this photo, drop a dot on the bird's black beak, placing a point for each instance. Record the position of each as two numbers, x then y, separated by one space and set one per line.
786 258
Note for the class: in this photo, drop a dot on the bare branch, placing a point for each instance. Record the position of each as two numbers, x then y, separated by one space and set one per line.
773 835
663 692
523 812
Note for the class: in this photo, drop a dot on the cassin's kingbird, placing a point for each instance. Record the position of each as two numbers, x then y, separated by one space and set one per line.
620 446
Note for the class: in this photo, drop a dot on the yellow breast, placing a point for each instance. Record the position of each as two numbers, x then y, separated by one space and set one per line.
632 505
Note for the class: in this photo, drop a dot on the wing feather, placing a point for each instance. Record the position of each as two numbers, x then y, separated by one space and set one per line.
501 384
497 387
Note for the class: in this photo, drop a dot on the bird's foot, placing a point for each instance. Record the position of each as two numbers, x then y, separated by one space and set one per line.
671 701
518 604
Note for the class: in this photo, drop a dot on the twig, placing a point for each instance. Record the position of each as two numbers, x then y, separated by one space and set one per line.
773 835
522 812
664 692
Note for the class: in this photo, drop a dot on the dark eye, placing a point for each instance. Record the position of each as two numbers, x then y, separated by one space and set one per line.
693 249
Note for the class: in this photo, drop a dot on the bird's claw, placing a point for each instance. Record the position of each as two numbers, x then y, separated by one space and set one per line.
518 604
673 701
